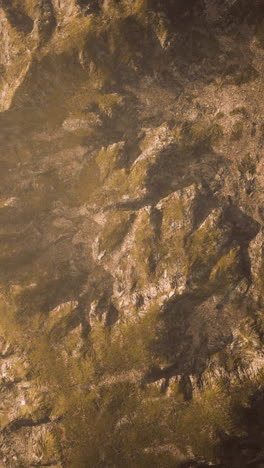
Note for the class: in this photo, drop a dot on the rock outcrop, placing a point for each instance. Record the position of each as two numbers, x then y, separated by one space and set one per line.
131 233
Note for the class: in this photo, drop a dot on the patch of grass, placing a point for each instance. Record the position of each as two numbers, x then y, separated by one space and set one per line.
144 246
175 224
108 102
129 345
215 134
105 412
220 115
237 131
203 246
73 34
115 229
226 271
108 159
204 133
261 131
138 176
114 188
247 165
239 111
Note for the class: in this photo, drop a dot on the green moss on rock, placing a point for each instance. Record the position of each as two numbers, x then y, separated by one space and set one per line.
144 248
203 245
108 159
241 110
174 226
226 271
203 132
247 165
237 131
115 229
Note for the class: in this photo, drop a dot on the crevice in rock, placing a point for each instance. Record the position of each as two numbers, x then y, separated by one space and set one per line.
46 20
111 316
45 464
89 7
17 17
156 221
19 423
243 230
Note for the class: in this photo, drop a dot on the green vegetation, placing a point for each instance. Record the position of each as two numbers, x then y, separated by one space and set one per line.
247 165
203 245
115 187
239 111
115 229
117 31
128 422
173 230
205 133
73 34
91 383
226 271
138 175
116 420
215 134
109 158
144 247
237 131
220 115
222 267
107 103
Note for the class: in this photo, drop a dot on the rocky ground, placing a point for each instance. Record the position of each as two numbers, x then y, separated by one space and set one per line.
131 233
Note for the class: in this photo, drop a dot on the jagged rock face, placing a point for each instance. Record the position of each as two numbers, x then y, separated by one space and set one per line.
131 173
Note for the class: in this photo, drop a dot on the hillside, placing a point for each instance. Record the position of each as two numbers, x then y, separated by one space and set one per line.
131 233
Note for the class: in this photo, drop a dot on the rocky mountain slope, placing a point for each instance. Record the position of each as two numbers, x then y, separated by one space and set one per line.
131 233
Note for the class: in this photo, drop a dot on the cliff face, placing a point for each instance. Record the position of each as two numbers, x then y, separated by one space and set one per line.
131 232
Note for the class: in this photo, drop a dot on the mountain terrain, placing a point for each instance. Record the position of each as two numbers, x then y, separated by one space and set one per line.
131 233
